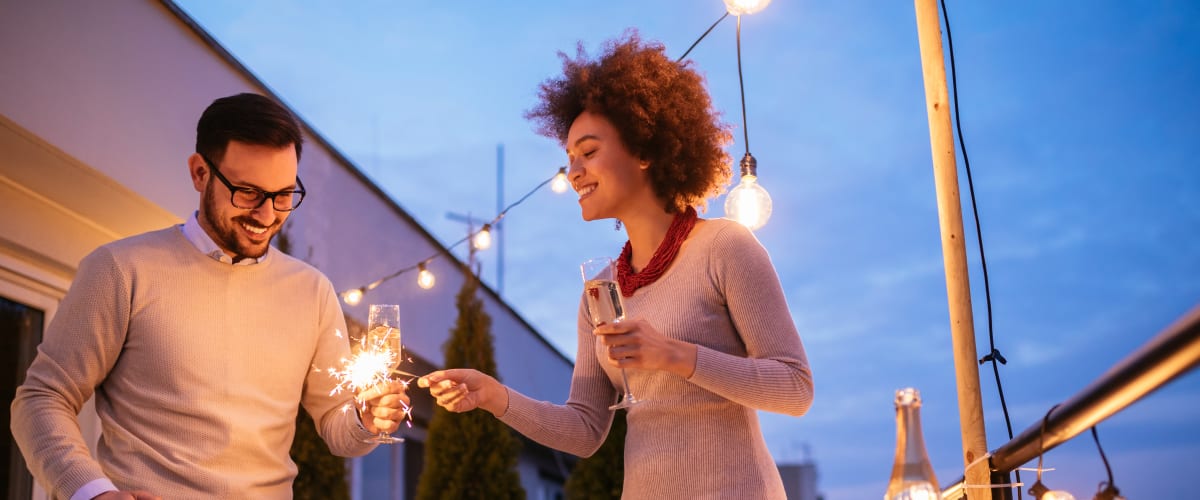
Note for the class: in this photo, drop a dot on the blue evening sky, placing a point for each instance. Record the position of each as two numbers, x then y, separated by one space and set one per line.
1082 122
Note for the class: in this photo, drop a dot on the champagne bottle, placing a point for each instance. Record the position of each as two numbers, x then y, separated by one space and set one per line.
912 474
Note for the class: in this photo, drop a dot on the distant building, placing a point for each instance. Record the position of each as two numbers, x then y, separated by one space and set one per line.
98 108
800 480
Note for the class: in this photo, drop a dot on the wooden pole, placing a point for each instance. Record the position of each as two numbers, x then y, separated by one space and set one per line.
954 254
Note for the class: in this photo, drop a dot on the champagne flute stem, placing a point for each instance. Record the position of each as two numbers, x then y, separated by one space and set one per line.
625 379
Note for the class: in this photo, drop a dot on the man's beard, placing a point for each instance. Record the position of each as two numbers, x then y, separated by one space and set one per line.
227 230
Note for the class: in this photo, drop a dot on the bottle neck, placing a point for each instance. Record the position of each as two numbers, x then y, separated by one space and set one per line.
912 461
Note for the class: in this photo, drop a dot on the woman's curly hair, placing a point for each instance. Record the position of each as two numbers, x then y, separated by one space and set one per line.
659 107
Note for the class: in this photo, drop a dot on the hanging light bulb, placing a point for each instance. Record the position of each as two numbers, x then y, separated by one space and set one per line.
560 184
1041 492
425 278
483 239
352 297
749 203
739 7
1108 492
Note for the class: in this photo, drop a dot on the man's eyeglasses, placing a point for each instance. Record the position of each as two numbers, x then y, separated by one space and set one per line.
252 198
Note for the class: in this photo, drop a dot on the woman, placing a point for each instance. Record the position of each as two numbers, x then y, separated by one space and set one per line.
708 338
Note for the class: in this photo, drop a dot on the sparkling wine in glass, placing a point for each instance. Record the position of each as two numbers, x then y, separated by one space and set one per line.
383 338
604 304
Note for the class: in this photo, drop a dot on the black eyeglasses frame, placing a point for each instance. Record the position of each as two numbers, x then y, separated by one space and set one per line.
265 195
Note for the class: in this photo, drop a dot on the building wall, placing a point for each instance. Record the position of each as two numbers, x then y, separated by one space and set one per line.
98 105
799 480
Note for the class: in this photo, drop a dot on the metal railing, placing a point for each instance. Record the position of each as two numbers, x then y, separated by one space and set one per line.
1170 354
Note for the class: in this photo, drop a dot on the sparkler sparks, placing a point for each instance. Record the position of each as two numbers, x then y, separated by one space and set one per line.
371 364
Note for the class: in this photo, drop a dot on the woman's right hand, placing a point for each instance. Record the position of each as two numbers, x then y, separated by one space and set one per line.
464 389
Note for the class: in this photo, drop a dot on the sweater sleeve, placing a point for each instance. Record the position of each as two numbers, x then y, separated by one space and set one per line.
79 348
580 426
333 413
774 376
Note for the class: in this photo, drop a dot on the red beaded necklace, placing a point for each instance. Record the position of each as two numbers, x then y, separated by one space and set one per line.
630 281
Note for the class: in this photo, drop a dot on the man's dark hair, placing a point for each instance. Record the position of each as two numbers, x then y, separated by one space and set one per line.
249 118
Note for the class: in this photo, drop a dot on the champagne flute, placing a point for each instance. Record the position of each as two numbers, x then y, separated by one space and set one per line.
604 304
383 339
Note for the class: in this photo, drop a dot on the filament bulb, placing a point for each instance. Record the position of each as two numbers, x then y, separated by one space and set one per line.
425 278
739 7
560 183
352 297
749 203
1057 495
1039 491
483 239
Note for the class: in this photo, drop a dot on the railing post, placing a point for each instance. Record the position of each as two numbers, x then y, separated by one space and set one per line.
954 254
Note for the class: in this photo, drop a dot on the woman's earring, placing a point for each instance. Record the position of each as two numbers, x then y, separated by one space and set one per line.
617 225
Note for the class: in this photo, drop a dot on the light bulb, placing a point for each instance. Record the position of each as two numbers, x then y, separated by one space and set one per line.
560 184
739 7
425 278
483 239
353 297
748 203
1039 491
1108 492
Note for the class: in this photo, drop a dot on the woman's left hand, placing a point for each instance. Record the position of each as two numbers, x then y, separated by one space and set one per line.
635 343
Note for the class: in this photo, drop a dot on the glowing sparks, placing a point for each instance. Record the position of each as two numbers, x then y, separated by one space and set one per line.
369 366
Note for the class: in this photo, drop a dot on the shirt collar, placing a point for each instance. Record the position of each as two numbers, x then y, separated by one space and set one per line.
200 239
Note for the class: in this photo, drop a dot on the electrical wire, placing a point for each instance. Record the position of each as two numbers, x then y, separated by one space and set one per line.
697 42
742 86
994 355
1107 468
425 261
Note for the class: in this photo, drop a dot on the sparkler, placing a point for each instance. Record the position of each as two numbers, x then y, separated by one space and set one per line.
370 365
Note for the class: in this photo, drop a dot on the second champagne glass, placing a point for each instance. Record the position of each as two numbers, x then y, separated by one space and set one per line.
383 336
605 306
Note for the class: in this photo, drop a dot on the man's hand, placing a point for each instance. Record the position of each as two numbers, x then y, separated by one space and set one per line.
384 406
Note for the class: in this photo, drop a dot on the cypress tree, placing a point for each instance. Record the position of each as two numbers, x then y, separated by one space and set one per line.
602 474
470 455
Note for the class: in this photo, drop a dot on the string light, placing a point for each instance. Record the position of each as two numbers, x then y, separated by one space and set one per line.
481 240
353 297
560 184
740 7
425 278
748 203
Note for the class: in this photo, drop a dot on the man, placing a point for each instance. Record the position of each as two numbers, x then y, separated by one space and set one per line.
199 341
